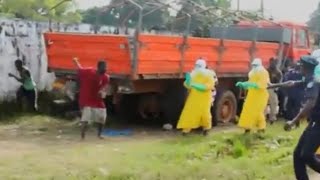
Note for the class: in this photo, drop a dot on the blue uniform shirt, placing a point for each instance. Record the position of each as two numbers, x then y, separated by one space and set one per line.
298 90
311 91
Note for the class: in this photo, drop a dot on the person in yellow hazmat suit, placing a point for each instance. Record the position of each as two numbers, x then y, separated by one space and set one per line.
252 116
196 112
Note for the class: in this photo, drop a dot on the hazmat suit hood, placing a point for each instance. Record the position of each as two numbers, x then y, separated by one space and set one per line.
200 64
256 66
200 67
257 62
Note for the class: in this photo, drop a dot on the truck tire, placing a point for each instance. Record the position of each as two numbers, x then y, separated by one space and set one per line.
225 107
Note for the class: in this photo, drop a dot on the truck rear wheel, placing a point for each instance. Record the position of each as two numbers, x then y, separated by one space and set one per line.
225 107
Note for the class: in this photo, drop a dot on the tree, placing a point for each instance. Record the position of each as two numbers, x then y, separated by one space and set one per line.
126 15
201 20
314 25
39 10
314 21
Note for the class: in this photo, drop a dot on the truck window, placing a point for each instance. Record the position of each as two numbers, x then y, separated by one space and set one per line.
302 40
275 34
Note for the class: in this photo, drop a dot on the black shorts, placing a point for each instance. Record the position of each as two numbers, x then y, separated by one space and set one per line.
29 95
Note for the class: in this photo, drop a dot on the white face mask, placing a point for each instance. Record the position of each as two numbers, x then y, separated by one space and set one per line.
197 67
256 63
200 64
254 66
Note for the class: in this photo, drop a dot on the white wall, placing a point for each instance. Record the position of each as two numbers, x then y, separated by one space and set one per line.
26 37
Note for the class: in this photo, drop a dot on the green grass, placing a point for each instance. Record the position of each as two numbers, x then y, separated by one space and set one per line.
38 147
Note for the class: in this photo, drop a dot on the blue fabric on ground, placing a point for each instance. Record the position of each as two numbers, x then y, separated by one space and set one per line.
112 132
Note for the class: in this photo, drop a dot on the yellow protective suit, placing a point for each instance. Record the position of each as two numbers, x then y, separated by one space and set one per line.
196 112
252 115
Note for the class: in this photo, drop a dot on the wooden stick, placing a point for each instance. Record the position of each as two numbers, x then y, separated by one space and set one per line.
284 84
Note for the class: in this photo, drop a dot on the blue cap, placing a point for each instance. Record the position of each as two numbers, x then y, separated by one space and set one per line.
309 60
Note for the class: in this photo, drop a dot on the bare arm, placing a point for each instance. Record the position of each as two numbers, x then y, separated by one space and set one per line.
311 95
76 62
15 77
25 74
284 84
305 110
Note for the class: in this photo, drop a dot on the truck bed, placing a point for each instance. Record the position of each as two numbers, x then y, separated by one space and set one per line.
158 55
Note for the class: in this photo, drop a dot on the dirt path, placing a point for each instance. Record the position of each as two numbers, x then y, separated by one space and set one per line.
57 146
315 177
56 133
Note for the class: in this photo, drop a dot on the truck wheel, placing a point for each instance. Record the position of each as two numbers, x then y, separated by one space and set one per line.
225 107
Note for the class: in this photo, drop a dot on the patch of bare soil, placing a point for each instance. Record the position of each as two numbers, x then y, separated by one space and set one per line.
315 177
39 131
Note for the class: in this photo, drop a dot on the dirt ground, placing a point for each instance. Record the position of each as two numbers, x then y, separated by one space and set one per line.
32 138
36 146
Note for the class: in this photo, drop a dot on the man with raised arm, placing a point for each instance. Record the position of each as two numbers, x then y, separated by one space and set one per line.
93 84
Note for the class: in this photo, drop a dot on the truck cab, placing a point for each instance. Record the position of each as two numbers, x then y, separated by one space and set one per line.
294 36
299 44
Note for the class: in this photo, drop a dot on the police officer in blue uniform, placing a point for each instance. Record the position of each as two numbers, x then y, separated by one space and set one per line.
294 94
304 153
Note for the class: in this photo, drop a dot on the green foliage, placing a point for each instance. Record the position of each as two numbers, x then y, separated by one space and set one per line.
200 21
314 25
314 22
121 15
126 15
39 10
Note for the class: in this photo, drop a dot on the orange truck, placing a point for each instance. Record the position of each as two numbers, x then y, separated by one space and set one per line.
147 71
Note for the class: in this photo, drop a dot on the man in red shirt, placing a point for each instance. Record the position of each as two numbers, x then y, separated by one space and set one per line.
93 85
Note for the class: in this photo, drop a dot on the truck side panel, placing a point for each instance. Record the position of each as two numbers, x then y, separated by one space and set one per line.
200 47
62 47
236 57
159 54
164 55
267 50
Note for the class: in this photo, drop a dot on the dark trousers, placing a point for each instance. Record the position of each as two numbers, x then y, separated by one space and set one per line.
282 106
304 153
292 108
29 95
